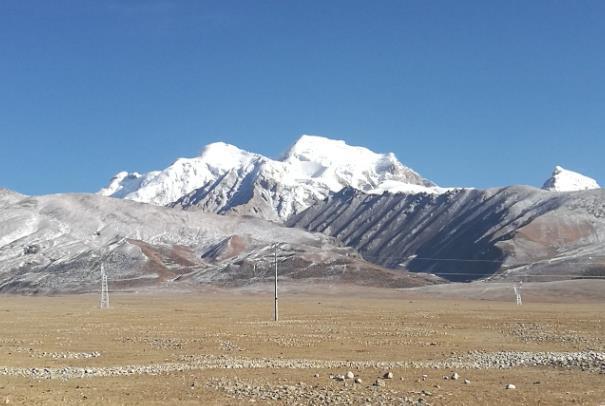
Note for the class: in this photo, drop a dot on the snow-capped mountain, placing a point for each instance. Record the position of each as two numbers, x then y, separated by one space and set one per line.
564 180
226 179
183 176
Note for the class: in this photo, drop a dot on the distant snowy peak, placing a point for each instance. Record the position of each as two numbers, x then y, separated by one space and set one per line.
182 177
564 180
331 153
122 184
224 178
334 160
226 156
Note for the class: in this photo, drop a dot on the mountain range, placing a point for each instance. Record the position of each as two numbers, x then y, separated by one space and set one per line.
225 179
341 213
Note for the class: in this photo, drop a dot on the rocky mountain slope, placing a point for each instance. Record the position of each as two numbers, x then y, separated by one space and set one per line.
57 243
225 179
517 232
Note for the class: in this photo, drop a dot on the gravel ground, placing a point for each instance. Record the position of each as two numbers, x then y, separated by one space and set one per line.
302 394
586 361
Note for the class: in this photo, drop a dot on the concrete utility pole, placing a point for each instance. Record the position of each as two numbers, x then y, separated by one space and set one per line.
518 294
275 310
104 290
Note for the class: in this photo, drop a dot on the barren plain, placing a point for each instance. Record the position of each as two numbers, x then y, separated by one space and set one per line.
222 348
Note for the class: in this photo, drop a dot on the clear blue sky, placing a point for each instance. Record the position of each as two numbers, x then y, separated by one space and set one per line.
469 93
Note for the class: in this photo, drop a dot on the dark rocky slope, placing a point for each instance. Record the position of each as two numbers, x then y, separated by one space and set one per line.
515 232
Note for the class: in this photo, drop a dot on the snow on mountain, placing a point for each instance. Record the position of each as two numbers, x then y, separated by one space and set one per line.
396 187
226 179
336 164
180 178
58 243
564 180
122 184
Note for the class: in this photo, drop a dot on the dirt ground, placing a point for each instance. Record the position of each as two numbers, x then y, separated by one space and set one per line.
248 359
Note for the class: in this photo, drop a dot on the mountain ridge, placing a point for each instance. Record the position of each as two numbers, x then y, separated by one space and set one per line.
56 244
225 179
470 234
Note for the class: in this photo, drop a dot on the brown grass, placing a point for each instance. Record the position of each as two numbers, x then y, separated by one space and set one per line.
145 329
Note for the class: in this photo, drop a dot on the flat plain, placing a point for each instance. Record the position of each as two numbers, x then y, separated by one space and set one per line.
222 347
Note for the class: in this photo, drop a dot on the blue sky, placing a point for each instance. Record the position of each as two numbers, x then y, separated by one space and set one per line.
468 93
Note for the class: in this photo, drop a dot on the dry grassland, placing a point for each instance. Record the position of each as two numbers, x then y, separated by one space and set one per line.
221 348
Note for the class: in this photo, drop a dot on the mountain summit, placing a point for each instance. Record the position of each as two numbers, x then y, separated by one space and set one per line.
564 180
226 179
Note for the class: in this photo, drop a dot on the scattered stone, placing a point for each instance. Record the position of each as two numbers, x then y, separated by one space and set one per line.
467 382
591 361
316 376
380 383
388 375
339 378
350 375
241 391
358 380
511 386
455 376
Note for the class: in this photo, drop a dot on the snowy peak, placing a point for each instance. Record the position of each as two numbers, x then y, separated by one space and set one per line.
184 176
226 156
346 165
564 180
224 178
328 152
122 184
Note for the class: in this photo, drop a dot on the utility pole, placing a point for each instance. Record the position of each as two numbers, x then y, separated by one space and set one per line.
104 290
518 294
275 310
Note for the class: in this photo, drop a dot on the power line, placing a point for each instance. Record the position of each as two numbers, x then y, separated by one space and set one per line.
413 258
579 276
455 260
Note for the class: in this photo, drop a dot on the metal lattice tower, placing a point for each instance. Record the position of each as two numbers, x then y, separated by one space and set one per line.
104 304
518 294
